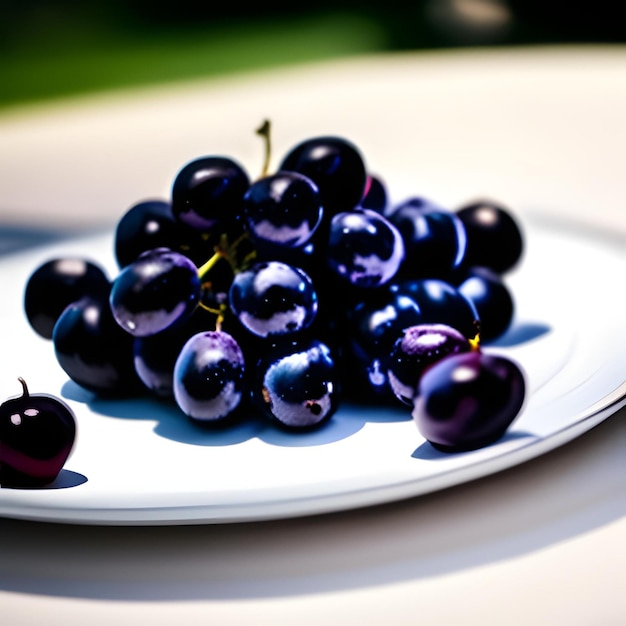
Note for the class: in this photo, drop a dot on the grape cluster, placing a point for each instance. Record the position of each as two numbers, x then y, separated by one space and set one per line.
287 293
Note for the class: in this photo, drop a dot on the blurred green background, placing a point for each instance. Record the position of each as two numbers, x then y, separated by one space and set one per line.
59 48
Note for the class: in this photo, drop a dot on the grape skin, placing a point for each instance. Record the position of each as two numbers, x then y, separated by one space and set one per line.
208 376
467 401
158 289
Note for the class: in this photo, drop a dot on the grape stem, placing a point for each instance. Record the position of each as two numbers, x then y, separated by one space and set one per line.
25 392
264 131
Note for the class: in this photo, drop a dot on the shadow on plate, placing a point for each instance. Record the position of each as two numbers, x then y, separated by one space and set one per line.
171 424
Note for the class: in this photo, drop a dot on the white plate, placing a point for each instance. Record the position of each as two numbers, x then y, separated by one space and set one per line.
428 132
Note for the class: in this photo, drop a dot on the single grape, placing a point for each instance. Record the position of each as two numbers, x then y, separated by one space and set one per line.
159 288
298 387
273 298
493 301
494 238
93 350
364 248
55 284
335 165
282 210
209 376
434 238
207 193
420 347
37 435
467 401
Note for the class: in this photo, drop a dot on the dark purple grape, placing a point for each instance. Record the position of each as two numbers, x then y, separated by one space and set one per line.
441 303
209 377
57 283
207 193
364 248
420 347
434 239
151 224
493 301
282 210
93 350
494 238
37 434
335 165
158 289
298 387
468 401
273 298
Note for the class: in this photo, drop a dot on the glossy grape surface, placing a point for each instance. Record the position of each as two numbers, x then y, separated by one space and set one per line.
55 284
416 350
364 248
335 165
299 387
93 350
434 238
282 210
207 192
493 301
158 289
468 401
273 298
37 434
494 238
209 376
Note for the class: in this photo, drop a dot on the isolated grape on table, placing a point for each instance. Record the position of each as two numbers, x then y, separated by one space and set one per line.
294 291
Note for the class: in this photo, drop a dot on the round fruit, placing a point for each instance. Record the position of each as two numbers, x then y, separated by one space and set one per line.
468 401
57 283
37 434
209 376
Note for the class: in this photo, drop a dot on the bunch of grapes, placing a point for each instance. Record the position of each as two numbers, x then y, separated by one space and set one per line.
289 293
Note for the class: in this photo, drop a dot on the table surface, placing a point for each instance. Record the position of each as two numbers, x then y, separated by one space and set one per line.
540 543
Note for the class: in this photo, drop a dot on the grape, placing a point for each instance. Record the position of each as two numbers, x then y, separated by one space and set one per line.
151 224
55 284
493 301
416 350
335 165
159 288
207 193
494 238
467 401
37 434
364 248
273 298
298 387
282 210
93 350
434 238
209 376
